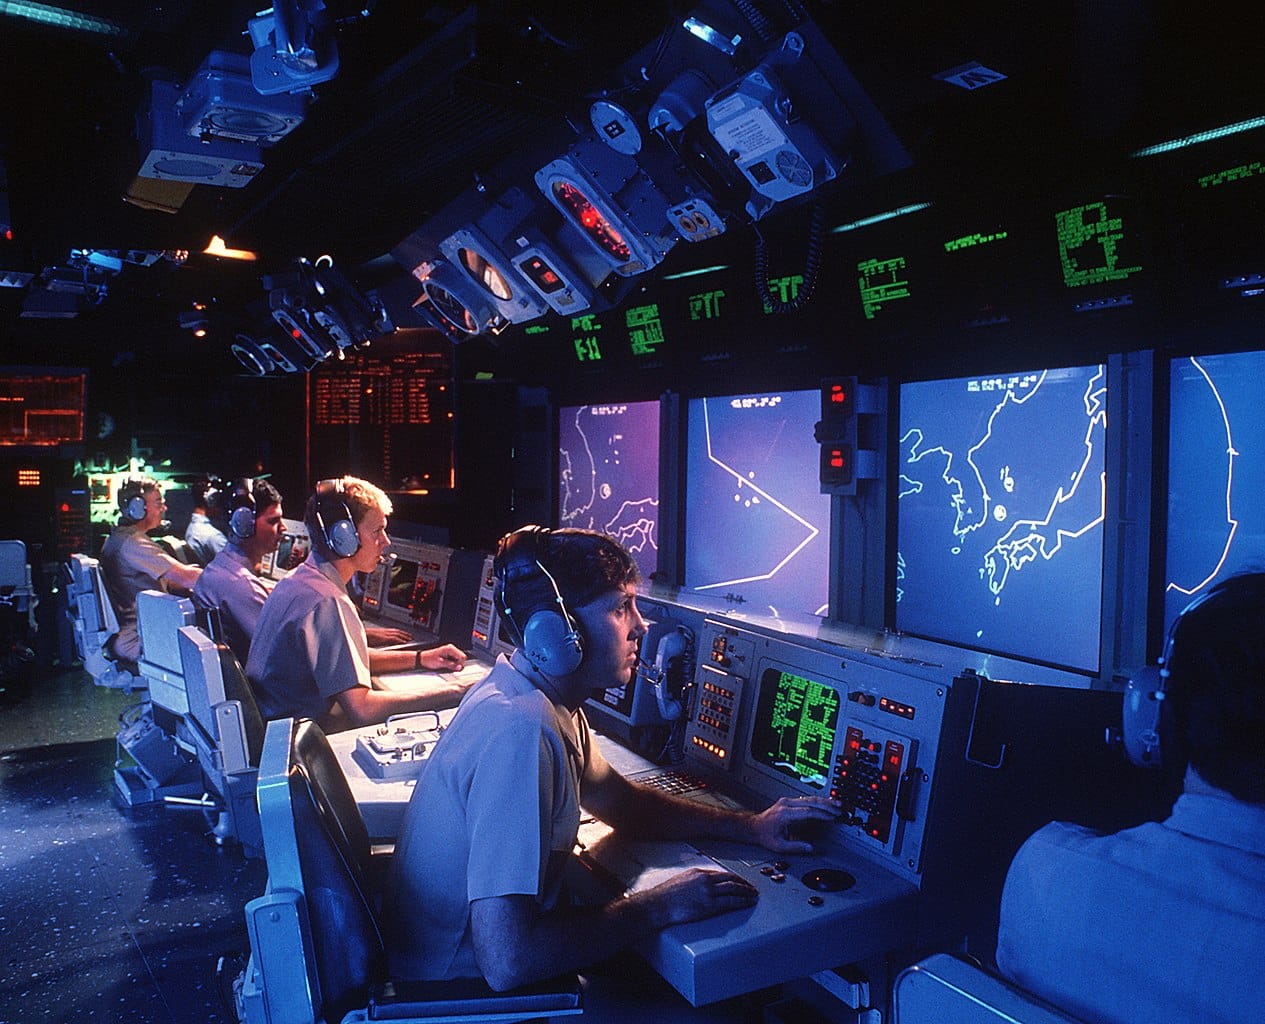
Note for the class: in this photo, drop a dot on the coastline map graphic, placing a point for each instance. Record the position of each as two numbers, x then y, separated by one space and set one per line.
1216 474
608 474
1001 501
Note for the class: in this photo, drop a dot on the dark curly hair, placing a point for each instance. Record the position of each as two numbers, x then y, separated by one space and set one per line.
584 564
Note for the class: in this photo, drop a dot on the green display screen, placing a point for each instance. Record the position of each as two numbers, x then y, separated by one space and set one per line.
1094 244
794 730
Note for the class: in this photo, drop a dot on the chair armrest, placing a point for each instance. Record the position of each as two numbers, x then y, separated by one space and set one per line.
232 746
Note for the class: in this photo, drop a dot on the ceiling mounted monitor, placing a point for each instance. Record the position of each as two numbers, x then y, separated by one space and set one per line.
462 305
490 267
613 203
171 154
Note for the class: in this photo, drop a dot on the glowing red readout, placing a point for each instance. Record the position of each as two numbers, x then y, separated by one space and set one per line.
588 217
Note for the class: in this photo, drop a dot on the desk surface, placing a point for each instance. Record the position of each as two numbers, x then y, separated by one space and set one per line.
793 931
382 801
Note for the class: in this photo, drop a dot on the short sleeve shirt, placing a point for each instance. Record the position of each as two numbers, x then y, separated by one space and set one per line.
130 563
499 795
1163 922
204 538
230 585
309 644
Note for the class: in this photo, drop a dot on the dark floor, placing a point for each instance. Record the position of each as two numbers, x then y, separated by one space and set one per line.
106 913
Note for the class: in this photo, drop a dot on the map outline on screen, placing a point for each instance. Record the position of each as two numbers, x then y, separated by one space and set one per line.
608 474
1001 502
1216 472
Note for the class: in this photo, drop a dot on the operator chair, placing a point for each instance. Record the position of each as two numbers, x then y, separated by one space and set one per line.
946 989
17 610
227 732
316 947
153 732
17 589
95 625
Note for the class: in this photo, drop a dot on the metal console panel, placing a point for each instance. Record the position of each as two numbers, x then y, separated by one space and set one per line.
427 589
793 931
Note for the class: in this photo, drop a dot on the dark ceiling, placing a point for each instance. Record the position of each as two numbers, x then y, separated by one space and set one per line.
431 95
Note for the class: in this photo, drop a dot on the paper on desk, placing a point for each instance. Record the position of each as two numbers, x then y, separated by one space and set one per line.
638 865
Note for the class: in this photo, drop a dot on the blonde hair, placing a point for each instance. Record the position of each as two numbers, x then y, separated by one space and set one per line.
358 495
362 496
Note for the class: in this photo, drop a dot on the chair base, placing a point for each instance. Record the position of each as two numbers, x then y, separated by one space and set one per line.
136 790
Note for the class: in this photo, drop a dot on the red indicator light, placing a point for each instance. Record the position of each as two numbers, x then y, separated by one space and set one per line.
590 219
65 507
296 333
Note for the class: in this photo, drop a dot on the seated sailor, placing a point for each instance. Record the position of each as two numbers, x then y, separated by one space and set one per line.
132 562
1165 921
309 657
233 583
475 888
205 539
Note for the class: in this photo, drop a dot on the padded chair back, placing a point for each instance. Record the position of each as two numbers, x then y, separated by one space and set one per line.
159 617
93 606
345 938
213 675
339 810
14 572
945 989
236 686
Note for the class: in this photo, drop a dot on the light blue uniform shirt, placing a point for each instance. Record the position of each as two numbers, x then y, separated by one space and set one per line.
495 813
230 584
309 644
1156 924
204 538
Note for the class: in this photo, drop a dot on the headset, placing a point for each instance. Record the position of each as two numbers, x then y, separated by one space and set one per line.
334 518
211 490
548 635
241 509
132 499
1147 723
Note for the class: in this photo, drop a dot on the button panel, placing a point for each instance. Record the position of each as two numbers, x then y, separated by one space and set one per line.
866 779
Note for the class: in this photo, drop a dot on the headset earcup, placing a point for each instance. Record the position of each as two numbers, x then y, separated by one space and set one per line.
1142 718
242 522
343 538
551 645
135 509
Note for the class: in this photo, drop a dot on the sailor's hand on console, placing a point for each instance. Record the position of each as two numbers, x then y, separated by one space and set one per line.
444 659
697 893
784 826
382 636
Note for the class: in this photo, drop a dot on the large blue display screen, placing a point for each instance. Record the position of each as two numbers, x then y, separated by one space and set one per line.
608 474
757 527
1001 488
1216 474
